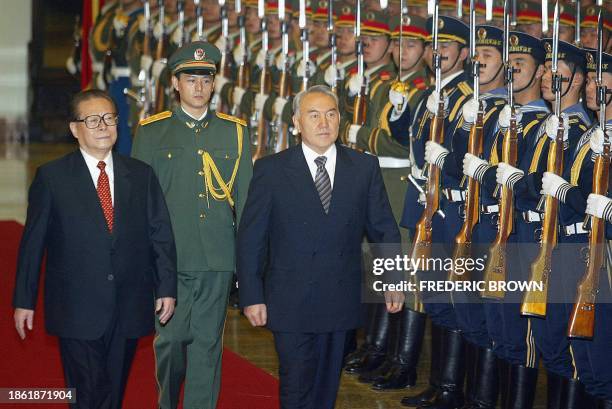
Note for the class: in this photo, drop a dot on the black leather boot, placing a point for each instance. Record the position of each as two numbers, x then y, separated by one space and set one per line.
375 354
604 404
554 386
503 371
471 358
522 387
484 392
408 351
450 392
392 339
573 395
434 371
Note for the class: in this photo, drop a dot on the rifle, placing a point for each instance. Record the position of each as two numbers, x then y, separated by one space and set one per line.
463 239
534 302
199 20
145 75
264 87
77 38
224 66
398 84
244 69
360 106
497 263
160 92
305 44
107 66
582 319
180 9
333 45
278 126
421 247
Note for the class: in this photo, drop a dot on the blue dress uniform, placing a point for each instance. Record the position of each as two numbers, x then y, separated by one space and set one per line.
592 357
121 77
447 367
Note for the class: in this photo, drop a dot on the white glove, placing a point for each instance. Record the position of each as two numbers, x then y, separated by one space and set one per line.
435 153
158 30
301 69
260 60
279 105
554 185
352 133
330 72
433 101
238 54
120 24
504 117
158 67
260 101
220 43
237 95
71 66
146 62
177 36
552 124
596 141
508 175
470 110
474 167
100 84
220 81
354 85
396 99
599 206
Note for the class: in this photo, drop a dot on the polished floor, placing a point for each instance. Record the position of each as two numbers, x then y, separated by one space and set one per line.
18 163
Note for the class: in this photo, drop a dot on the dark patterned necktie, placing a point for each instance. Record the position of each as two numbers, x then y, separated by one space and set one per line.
323 183
104 194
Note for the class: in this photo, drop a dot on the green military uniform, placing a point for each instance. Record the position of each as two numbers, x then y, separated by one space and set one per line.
204 168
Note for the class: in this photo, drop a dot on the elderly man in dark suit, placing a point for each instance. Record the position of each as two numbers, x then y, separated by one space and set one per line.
299 249
111 259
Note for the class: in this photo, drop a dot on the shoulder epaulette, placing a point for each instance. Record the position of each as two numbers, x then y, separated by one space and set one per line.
542 115
155 118
231 118
465 88
419 83
500 102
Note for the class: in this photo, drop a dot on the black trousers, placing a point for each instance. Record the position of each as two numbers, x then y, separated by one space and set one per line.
309 368
98 368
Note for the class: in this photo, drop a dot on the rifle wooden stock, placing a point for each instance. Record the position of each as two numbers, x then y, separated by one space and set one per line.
463 239
282 129
360 110
421 247
244 82
534 301
582 320
160 91
495 269
262 137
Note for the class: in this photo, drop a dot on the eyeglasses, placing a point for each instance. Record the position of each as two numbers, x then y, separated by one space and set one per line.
93 121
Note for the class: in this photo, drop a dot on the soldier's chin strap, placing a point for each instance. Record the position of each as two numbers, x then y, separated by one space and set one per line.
418 60
455 62
570 82
495 76
517 91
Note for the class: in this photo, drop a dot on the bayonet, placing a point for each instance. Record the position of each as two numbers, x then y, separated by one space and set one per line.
199 20
332 45
180 8
577 39
305 43
545 16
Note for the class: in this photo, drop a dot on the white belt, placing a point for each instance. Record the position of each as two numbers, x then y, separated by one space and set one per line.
530 216
119 72
97 67
390 162
488 209
454 195
576 228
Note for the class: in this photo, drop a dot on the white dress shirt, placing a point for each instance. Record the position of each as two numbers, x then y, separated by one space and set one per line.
92 165
191 116
330 164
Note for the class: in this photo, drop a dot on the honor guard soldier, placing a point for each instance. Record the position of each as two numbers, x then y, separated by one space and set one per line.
124 22
529 18
511 334
399 368
203 162
447 368
550 333
588 27
100 43
567 21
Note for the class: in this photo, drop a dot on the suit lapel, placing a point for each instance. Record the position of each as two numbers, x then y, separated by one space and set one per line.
122 193
86 192
298 171
342 179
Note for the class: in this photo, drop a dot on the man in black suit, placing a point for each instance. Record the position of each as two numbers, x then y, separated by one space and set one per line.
299 249
111 259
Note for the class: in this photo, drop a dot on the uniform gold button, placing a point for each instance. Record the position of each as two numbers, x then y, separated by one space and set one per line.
201 173
200 151
169 155
226 156
197 130
202 215
201 195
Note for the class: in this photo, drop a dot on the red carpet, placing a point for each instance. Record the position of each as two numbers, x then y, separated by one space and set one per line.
35 362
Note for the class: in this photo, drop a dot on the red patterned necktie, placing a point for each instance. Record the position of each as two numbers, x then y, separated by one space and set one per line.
104 194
